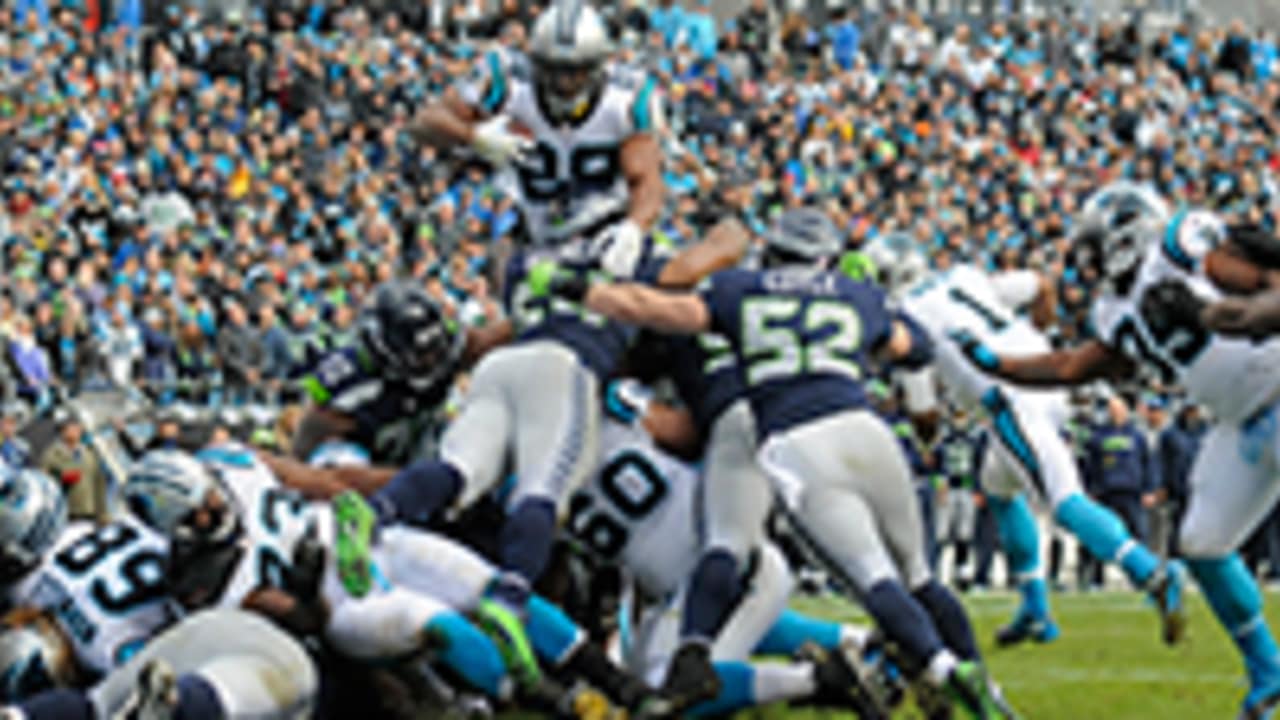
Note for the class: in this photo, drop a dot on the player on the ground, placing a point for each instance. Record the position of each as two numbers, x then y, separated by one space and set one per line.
102 587
802 336
1030 453
1156 274
422 581
215 664
91 599
643 509
594 158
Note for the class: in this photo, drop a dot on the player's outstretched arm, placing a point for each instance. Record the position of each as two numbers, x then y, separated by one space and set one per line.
1255 316
722 248
641 305
325 483
1093 360
447 122
317 425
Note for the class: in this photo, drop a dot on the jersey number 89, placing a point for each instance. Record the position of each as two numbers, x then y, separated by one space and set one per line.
141 573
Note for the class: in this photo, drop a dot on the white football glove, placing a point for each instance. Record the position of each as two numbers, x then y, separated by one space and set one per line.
494 141
624 251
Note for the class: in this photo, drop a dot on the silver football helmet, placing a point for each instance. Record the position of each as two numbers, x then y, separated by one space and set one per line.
899 261
1114 229
569 47
165 487
33 514
801 236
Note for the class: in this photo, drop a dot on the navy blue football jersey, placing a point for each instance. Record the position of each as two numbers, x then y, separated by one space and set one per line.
705 372
802 339
599 343
392 418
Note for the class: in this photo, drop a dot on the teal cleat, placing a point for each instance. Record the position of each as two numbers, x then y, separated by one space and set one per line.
1263 697
1024 628
1167 592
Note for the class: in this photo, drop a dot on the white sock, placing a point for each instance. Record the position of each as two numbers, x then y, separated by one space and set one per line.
940 667
855 635
777 682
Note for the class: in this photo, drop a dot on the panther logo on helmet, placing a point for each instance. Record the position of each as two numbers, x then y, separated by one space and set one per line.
569 47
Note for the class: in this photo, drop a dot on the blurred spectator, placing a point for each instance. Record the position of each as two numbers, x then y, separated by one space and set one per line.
158 369
70 461
14 450
276 363
1177 447
30 362
122 348
241 352
1120 469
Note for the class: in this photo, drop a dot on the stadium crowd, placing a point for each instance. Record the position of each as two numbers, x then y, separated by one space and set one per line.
196 204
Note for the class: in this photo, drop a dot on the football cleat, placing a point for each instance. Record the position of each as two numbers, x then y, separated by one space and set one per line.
504 626
973 692
1167 591
354 543
1025 627
155 696
844 680
691 678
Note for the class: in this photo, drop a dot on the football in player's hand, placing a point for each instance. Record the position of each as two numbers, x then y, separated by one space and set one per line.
518 128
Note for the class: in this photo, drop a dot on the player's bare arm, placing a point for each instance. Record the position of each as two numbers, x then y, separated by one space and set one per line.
658 309
325 483
1044 308
1234 273
483 339
447 122
1252 316
723 248
1092 360
640 158
673 429
317 426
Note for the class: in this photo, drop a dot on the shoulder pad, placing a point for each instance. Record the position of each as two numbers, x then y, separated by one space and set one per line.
332 374
1190 235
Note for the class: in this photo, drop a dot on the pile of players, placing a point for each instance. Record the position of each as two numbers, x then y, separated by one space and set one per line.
642 413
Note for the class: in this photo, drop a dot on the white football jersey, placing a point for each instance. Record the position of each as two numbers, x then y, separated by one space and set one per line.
640 510
575 171
1234 378
106 588
985 305
274 518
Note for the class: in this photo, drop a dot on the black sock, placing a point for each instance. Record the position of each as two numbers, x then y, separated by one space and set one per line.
715 588
418 492
904 622
59 704
527 536
197 700
590 663
949 617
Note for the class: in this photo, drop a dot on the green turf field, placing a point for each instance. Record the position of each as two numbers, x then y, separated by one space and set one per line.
1109 663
